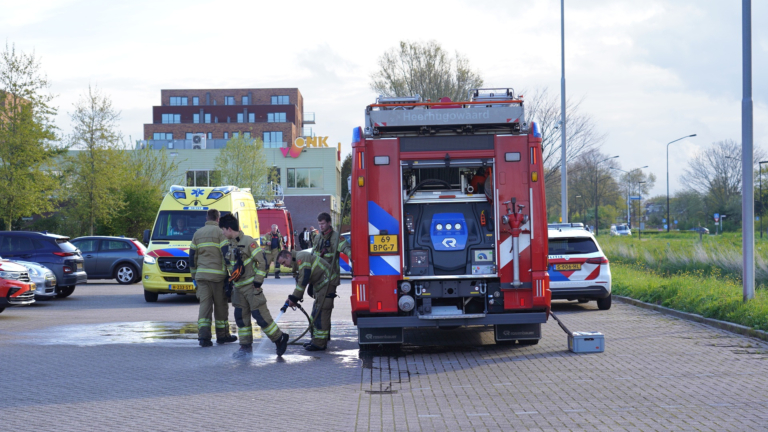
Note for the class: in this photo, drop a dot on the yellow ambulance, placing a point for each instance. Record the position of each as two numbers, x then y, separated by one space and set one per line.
183 211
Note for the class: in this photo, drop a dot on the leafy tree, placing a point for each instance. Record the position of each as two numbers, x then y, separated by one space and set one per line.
95 172
146 178
591 183
242 163
27 133
425 69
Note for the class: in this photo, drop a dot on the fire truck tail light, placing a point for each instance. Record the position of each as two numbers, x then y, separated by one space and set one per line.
379 305
534 176
381 160
361 181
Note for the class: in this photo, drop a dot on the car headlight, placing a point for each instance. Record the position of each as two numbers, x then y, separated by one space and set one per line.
149 260
33 271
10 275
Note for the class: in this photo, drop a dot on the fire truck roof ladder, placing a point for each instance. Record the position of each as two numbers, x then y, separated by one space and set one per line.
489 111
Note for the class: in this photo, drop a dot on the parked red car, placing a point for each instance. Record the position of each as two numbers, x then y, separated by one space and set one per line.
16 288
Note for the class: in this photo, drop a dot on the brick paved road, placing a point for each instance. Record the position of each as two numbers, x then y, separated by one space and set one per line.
106 360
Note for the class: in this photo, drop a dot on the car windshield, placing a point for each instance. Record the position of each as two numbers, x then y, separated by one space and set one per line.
622 228
179 224
571 246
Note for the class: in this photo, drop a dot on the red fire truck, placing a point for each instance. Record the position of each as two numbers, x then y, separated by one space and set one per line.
449 222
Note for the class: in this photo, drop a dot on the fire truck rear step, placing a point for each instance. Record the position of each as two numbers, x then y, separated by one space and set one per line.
448 312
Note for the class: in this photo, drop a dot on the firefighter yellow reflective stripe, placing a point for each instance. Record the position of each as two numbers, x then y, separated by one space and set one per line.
321 334
207 244
245 331
220 324
223 243
271 329
248 261
243 283
299 288
261 272
203 322
256 251
211 271
193 246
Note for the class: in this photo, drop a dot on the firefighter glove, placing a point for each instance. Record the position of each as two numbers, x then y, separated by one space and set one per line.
257 284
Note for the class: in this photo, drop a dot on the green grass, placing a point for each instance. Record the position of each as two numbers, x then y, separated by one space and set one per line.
713 295
676 253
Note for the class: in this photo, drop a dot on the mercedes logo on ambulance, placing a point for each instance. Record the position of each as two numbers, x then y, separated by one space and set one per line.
181 264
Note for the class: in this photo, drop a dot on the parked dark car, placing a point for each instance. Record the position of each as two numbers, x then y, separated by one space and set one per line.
51 250
118 258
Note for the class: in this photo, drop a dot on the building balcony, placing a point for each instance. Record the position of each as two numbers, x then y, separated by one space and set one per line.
307 132
187 144
308 118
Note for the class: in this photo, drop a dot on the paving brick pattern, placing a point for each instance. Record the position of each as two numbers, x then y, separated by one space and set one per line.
106 360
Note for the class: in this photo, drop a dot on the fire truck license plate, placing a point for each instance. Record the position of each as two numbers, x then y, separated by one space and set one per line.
181 287
567 266
381 244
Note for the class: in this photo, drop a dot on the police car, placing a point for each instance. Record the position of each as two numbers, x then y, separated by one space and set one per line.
578 268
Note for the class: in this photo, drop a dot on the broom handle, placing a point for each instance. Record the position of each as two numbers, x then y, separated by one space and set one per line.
562 326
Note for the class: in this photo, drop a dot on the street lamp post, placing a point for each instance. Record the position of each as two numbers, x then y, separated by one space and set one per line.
596 181
563 164
687 136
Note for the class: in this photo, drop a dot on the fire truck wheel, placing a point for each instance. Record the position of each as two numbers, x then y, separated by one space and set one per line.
604 304
528 342
150 297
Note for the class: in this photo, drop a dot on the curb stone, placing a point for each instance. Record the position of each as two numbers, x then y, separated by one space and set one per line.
722 325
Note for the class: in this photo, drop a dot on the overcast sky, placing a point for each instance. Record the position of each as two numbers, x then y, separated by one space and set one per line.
649 71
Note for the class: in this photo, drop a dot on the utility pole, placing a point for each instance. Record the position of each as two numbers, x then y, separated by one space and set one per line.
747 176
563 164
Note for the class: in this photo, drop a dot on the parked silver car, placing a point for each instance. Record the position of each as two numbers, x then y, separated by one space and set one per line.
43 278
105 257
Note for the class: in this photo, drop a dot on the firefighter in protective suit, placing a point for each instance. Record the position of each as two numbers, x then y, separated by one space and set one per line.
313 272
247 264
328 244
273 243
207 267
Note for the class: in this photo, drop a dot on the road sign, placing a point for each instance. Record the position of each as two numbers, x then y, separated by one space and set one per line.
717 223
675 221
637 197
664 220
665 226
642 225
717 217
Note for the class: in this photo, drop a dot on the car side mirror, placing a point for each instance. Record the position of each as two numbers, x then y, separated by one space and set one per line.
145 238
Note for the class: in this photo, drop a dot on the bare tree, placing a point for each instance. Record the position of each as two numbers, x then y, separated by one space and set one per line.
582 136
425 69
592 181
716 173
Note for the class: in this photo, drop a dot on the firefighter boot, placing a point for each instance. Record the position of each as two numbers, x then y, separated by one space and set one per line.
205 343
311 347
226 338
277 274
244 351
281 344
222 333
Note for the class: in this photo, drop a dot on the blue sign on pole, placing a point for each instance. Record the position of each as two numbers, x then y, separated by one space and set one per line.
675 221
664 220
665 226
717 217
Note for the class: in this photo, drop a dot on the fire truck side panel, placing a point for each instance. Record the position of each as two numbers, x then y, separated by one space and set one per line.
359 217
539 243
384 218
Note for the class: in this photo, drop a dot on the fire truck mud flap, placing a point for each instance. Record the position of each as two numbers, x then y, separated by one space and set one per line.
401 322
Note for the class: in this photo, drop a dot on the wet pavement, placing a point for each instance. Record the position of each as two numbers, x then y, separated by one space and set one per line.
106 360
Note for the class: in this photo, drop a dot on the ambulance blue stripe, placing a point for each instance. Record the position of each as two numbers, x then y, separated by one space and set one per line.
379 267
379 218
177 252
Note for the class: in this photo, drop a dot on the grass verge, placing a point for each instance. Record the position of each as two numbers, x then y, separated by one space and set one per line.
710 295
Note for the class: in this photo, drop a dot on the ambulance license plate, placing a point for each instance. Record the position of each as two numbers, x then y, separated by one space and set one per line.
182 287
567 266
383 244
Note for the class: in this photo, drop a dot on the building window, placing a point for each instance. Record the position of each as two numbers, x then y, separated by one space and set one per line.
272 139
204 178
276 118
247 135
195 101
210 135
195 118
229 100
246 101
171 118
239 117
235 134
189 135
179 101
280 100
251 118
162 136
226 135
207 118
305 178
